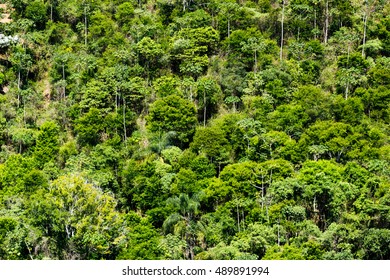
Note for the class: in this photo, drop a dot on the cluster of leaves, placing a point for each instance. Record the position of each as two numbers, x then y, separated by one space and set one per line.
203 130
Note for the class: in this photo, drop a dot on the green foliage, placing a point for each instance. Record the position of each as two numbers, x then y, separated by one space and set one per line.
84 216
211 142
143 240
36 11
173 113
89 127
47 144
195 130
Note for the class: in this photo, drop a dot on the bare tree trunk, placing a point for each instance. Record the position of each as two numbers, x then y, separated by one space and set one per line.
85 26
364 32
262 191
255 68
228 27
238 218
19 78
315 24
24 113
204 109
124 119
116 100
326 22
63 78
51 11
282 35
347 86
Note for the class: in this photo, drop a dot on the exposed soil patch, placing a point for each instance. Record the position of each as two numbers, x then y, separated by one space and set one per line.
5 17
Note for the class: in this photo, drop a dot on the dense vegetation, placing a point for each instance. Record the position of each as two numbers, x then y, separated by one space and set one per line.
166 129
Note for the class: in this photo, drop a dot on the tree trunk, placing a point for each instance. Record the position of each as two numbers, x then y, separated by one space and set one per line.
51 11
85 26
228 27
116 100
19 88
124 119
281 34
204 109
326 22
315 24
364 32
24 113
238 218
347 86
63 78
255 68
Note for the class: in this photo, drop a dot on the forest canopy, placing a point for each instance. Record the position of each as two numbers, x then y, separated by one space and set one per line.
164 129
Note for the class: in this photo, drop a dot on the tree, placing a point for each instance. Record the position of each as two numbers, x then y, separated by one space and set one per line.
82 217
211 142
150 53
142 241
173 113
36 11
291 119
257 46
22 61
335 136
315 102
208 95
89 127
284 3
191 48
183 222
47 144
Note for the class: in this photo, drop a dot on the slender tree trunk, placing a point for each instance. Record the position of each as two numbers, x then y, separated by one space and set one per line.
116 100
85 26
347 86
364 32
281 34
204 109
228 27
24 113
255 68
299 29
315 24
124 119
326 22
262 192
184 5
19 78
243 220
238 218
63 78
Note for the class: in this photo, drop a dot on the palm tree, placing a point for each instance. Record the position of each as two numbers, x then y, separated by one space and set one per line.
183 221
